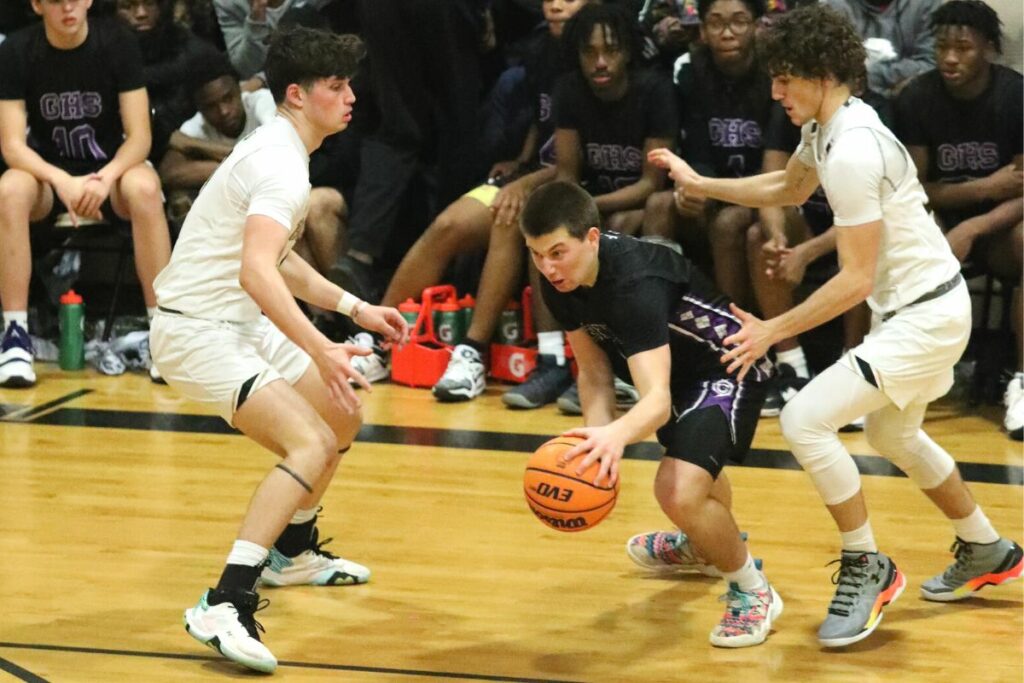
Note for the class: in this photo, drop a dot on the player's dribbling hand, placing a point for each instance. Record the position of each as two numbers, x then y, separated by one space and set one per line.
335 366
599 443
385 321
751 342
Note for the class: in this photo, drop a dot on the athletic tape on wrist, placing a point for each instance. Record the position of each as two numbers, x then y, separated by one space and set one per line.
347 302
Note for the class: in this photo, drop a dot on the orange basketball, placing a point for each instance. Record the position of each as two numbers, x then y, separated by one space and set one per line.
558 496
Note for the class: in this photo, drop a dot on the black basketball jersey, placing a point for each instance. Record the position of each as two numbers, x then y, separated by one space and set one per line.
72 96
646 295
965 139
612 134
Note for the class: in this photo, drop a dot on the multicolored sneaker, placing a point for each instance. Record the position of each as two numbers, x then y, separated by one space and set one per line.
669 551
312 567
748 617
226 623
865 583
976 565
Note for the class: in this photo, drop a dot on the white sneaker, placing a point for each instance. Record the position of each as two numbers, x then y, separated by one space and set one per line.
231 629
1013 399
16 355
312 567
463 379
373 367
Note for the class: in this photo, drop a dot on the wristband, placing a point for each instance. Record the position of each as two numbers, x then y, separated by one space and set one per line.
346 303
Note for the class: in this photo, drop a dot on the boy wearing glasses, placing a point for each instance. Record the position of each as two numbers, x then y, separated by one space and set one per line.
78 86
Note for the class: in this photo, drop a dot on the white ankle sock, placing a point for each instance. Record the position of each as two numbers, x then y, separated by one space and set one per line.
975 528
748 577
247 553
303 516
795 359
552 344
860 540
150 312
20 317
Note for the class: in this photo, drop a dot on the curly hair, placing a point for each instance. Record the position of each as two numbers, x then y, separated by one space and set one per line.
304 55
618 25
813 41
972 14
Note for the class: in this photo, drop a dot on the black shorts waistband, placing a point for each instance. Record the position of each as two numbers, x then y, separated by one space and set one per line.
945 287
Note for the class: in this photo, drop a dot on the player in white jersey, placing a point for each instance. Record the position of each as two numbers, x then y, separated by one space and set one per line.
229 333
892 254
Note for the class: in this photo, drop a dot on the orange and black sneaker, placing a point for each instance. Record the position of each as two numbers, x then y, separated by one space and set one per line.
975 566
865 583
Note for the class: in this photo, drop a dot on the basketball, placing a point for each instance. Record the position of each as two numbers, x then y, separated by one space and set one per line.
558 496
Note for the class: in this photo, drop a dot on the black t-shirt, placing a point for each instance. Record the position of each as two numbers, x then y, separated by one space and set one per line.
612 134
544 63
71 96
966 139
724 119
646 295
784 135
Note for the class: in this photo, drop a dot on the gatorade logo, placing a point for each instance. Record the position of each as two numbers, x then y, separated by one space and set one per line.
510 332
517 364
446 333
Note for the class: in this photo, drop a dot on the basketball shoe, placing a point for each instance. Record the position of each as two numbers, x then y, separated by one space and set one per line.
784 386
666 551
748 617
463 379
626 397
16 356
1013 399
544 385
226 623
976 565
865 583
313 566
373 367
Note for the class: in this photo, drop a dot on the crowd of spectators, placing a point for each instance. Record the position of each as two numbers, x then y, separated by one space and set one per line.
465 107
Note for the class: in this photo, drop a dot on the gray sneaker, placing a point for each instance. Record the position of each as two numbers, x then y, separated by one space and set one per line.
545 384
976 565
865 583
626 397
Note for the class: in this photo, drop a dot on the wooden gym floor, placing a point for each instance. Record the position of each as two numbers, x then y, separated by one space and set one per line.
119 501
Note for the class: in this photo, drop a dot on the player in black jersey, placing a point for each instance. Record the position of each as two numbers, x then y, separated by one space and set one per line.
642 312
961 123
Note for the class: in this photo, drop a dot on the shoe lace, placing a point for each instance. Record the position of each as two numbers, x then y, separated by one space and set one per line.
247 615
963 553
743 609
318 547
850 577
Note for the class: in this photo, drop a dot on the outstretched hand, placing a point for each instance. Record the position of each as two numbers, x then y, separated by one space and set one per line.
385 321
749 344
686 179
599 443
335 367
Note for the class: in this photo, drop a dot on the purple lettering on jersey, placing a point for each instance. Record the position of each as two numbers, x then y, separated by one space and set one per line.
79 144
734 133
70 106
616 158
967 156
544 107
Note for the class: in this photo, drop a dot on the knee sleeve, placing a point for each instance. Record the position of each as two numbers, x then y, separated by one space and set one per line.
925 462
821 454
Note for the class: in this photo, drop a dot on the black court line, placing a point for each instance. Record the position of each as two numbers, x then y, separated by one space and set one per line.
482 440
321 666
49 405
10 667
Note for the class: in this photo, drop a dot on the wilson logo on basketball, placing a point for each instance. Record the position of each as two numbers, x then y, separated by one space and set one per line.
572 523
556 492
